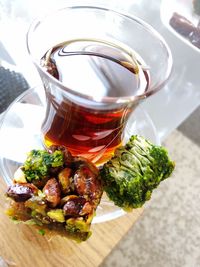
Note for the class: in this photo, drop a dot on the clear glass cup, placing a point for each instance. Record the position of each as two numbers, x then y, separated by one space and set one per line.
91 124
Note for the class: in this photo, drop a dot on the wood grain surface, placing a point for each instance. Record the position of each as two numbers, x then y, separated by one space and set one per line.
22 246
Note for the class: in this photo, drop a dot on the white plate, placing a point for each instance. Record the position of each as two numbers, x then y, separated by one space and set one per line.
182 7
20 132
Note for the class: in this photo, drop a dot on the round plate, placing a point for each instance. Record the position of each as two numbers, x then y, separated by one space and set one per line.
20 132
182 7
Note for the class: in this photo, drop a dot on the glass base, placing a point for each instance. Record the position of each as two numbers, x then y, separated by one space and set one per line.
20 132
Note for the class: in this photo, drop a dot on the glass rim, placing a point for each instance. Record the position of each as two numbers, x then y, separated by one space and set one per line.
105 99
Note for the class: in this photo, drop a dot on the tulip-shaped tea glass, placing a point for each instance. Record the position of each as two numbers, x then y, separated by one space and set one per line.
96 66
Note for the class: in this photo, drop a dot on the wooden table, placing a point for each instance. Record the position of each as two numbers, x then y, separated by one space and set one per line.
22 246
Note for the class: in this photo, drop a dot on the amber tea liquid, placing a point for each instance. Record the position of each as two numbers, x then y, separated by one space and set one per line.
98 69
